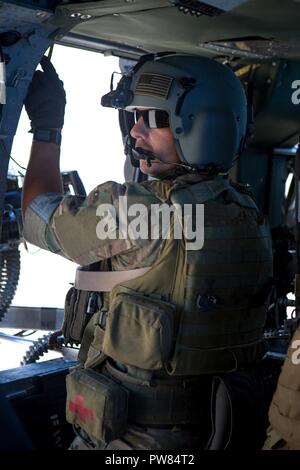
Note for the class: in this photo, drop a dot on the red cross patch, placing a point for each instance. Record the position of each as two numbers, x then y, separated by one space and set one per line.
77 407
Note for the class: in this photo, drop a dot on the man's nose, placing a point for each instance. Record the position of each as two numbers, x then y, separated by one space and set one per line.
139 130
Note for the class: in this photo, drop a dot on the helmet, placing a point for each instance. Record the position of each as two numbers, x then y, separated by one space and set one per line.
205 101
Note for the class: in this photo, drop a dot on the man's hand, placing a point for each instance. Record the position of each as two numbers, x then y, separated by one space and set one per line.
45 105
46 98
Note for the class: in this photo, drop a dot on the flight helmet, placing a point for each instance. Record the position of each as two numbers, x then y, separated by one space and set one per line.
205 102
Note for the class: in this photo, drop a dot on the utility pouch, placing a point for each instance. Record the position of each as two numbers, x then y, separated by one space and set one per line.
96 403
139 330
76 316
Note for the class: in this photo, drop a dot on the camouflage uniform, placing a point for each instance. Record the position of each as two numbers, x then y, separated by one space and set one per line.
68 226
284 415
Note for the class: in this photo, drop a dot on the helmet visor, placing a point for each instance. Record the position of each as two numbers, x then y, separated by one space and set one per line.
153 118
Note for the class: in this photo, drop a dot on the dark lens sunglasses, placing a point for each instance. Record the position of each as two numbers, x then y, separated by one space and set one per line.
153 118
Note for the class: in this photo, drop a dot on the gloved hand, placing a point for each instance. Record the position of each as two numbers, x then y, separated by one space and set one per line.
46 98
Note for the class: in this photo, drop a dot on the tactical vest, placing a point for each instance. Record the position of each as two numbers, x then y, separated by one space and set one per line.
284 413
195 311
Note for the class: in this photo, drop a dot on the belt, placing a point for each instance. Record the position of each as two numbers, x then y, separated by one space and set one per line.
177 401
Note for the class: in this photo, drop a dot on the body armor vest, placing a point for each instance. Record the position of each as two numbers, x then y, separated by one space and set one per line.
195 311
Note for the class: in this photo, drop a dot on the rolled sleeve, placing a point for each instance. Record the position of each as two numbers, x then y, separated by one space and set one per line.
68 225
87 229
74 226
36 220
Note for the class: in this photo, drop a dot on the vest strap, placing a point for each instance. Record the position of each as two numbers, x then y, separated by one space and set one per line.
104 281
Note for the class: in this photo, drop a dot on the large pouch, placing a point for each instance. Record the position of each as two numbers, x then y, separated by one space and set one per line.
75 315
97 404
139 330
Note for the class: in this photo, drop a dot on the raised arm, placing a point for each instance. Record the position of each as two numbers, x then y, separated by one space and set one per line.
45 105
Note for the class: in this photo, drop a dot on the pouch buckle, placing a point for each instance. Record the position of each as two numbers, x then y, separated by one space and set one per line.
102 319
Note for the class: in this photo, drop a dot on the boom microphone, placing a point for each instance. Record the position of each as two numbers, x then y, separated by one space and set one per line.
138 153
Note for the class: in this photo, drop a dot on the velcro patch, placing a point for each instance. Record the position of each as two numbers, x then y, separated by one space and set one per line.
154 85
77 407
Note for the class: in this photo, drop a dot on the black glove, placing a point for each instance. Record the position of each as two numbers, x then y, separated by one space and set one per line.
46 98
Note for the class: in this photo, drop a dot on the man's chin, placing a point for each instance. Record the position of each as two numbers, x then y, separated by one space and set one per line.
148 170
155 169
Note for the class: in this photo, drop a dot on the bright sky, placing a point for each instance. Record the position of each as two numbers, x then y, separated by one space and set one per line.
91 144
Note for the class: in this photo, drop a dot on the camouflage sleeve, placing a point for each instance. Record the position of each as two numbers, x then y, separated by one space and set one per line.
37 217
82 229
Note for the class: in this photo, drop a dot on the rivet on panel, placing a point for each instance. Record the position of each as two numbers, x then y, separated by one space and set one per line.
41 14
75 15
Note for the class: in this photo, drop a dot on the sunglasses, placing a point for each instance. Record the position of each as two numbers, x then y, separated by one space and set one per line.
153 118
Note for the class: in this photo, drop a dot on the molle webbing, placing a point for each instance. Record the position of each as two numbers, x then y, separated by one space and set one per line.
223 282
217 295
226 283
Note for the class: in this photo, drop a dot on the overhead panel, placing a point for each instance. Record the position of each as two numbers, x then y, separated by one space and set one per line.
150 26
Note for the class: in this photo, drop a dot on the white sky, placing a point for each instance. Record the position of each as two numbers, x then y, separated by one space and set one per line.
91 144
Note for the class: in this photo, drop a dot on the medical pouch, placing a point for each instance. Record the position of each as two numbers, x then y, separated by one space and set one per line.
139 330
75 315
96 403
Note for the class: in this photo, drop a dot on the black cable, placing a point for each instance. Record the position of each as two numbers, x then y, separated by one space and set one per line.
10 157
24 333
50 51
23 168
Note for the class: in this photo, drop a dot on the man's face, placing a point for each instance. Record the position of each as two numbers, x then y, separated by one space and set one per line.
158 141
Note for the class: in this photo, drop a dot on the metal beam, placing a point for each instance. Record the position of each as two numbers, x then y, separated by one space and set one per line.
33 318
